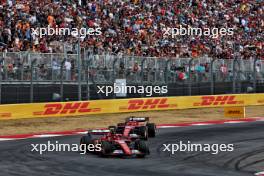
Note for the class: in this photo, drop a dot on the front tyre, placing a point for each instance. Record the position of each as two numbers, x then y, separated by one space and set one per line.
107 148
142 147
151 129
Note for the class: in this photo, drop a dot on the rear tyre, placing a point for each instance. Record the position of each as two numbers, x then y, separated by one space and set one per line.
143 132
107 148
119 130
85 140
151 129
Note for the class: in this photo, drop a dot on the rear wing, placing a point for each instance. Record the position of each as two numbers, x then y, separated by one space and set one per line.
99 132
137 119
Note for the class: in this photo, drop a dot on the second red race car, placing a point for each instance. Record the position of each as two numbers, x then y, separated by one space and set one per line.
136 127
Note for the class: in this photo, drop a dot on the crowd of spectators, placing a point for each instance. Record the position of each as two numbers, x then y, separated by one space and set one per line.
135 27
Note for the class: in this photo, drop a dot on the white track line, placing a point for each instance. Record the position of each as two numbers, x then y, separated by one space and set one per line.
46 135
6 139
260 173
233 122
159 126
168 126
202 124
83 132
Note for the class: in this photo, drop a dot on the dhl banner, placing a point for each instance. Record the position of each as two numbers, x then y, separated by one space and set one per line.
18 111
238 111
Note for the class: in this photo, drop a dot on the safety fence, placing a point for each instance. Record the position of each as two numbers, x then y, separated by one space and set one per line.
58 109
87 69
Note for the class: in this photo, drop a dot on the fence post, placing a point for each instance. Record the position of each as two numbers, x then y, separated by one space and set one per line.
52 67
23 60
166 70
1 62
255 75
61 79
31 81
87 78
113 75
234 76
142 73
212 76
239 76
79 69
142 70
20 76
189 77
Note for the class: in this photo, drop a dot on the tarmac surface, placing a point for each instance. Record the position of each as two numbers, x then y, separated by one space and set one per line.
17 159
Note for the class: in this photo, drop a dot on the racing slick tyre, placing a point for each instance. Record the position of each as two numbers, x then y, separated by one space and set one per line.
142 147
151 129
119 130
85 140
143 132
107 148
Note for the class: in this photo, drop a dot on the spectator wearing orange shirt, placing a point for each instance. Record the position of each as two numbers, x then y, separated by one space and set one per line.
51 20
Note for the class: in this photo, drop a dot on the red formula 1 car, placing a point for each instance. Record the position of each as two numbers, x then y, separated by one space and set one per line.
136 127
115 144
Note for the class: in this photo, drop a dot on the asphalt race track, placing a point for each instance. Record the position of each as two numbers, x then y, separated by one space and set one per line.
16 157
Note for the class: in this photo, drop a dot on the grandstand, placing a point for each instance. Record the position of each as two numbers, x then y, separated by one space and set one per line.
131 47
134 27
